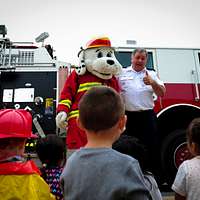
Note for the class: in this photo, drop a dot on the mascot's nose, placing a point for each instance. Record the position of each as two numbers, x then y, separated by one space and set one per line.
110 62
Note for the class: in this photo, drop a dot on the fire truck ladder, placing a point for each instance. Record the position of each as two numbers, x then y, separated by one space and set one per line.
5 59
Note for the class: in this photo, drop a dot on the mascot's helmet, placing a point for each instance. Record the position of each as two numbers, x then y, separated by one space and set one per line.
99 42
94 43
15 124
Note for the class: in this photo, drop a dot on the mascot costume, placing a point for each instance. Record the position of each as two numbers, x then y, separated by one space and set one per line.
98 66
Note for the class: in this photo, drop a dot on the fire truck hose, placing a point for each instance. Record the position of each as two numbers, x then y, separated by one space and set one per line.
38 127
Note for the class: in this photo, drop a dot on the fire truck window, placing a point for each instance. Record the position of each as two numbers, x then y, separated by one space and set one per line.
7 95
125 59
24 94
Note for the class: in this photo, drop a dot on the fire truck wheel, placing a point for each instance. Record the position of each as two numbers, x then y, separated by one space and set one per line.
173 152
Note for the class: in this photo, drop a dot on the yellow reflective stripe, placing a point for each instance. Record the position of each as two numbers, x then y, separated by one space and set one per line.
87 86
74 113
66 102
89 83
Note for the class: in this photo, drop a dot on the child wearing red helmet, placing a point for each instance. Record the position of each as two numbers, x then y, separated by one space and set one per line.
19 179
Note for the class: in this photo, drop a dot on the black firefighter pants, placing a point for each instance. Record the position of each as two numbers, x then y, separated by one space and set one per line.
143 125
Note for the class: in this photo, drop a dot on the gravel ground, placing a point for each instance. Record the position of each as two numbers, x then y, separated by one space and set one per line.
168 198
168 195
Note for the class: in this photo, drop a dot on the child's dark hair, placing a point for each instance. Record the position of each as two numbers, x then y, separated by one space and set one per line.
131 146
100 108
193 132
51 150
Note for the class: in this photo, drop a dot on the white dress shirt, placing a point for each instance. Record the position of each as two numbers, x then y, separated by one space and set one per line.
137 96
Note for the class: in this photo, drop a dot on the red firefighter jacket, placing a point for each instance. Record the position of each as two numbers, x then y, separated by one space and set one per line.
74 88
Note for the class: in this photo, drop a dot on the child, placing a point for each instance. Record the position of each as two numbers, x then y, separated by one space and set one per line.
97 171
131 146
187 181
51 152
19 179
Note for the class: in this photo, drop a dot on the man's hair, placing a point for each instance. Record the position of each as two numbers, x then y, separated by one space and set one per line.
193 132
140 50
51 150
100 108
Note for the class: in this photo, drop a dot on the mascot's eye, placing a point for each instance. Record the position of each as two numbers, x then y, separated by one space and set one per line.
99 55
109 54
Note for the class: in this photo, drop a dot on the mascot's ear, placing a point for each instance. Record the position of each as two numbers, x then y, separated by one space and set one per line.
81 69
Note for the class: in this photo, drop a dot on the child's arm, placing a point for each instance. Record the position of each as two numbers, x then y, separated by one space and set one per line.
179 197
179 185
135 183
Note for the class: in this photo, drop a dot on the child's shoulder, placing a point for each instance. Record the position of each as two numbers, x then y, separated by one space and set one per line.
124 158
101 154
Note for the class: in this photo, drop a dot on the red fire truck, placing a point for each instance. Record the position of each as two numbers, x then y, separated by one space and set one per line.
30 78
179 68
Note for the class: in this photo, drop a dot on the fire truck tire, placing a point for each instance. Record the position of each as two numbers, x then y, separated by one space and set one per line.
169 147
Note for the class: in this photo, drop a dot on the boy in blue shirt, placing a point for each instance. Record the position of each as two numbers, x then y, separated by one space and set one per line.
97 171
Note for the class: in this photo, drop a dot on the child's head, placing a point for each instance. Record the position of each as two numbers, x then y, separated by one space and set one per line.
193 136
51 150
100 109
131 146
15 128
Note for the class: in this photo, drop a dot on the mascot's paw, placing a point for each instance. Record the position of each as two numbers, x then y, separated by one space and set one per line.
61 120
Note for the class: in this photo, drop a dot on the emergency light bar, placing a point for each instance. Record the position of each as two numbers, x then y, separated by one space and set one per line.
42 37
3 30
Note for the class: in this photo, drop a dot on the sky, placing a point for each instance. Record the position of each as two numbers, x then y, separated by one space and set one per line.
72 23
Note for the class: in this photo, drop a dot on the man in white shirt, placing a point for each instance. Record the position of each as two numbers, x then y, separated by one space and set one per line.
138 85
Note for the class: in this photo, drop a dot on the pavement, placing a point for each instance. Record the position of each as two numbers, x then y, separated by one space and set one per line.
168 198
168 195
166 192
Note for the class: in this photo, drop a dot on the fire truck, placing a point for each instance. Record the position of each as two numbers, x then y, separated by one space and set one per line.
179 68
31 78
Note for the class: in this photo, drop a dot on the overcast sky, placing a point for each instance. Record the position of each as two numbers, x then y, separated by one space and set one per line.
72 23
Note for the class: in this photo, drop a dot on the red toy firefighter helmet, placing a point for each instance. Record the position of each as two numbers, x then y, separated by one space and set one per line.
99 42
15 124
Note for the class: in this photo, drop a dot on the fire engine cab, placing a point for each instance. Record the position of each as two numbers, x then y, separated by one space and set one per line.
179 68
30 78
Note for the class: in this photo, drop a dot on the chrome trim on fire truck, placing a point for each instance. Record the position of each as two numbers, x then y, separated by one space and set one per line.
176 105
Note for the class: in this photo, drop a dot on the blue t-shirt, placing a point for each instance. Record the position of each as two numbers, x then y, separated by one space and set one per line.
103 173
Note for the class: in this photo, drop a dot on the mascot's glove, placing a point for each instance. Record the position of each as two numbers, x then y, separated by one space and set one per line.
61 120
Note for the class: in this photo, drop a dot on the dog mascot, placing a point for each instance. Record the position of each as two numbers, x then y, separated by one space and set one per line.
97 66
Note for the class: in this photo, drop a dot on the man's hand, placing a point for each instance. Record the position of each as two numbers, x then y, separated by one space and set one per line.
61 120
159 90
147 79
